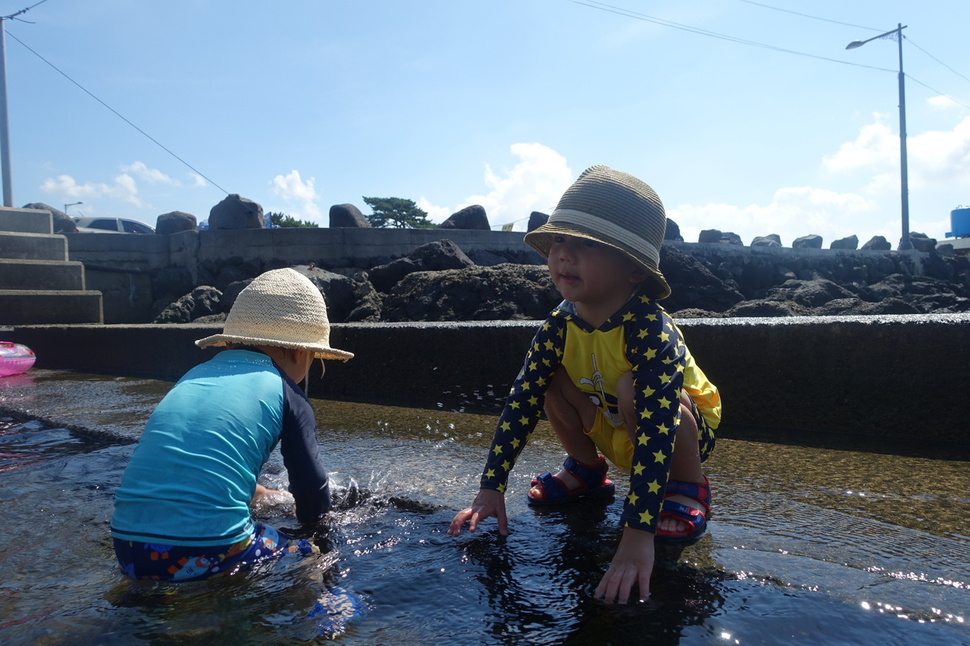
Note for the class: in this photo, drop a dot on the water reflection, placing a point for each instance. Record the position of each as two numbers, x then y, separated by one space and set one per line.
832 545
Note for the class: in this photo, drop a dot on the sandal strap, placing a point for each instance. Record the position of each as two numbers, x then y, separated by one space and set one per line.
590 475
695 519
699 491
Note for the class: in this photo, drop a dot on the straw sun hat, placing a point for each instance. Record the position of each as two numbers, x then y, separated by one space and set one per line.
616 209
279 308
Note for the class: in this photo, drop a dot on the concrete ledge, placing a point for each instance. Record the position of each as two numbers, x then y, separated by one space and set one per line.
895 377
41 274
33 246
52 306
26 220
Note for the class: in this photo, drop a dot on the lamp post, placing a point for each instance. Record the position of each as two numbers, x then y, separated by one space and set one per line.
904 242
71 204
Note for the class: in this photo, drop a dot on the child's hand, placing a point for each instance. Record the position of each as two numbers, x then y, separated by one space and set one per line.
632 564
262 492
488 502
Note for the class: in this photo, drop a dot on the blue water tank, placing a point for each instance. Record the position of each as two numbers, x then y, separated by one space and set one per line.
959 222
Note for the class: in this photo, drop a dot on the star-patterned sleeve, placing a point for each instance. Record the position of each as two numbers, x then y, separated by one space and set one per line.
523 407
657 353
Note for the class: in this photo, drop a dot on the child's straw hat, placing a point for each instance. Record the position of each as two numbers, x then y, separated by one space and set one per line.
614 208
279 308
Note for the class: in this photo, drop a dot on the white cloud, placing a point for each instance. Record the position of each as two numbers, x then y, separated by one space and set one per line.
151 175
293 189
124 188
534 183
792 213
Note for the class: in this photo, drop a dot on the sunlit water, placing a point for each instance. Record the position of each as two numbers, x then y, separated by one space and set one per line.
806 545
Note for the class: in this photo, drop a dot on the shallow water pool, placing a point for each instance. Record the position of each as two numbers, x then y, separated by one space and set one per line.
850 545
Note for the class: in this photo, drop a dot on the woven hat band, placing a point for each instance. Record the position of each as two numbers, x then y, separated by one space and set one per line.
618 235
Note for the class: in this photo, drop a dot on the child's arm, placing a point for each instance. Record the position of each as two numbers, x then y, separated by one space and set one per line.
523 407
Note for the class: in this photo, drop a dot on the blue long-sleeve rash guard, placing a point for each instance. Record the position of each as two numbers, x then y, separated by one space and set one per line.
194 472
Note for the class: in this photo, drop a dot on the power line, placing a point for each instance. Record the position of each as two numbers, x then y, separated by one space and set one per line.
805 15
115 112
602 6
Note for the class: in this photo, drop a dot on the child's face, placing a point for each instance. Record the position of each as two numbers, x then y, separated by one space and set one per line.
592 274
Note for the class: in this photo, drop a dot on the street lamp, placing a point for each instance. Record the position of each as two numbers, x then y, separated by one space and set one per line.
904 242
71 204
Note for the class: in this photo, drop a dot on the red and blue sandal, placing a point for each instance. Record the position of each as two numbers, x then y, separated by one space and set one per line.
592 484
694 519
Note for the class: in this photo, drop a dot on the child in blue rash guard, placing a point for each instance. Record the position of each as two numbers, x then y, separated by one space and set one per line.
182 510
612 373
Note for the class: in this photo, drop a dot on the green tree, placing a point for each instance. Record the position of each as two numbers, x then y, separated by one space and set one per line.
396 212
285 221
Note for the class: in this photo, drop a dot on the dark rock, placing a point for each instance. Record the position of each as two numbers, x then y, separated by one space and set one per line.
811 241
337 290
692 284
852 242
235 212
877 243
770 240
808 293
470 217
369 300
767 308
536 220
61 221
713 236
672 232
433 256
175 221
347 216
385 277
201 301
921 242
503 292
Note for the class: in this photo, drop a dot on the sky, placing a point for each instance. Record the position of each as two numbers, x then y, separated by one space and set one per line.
745 116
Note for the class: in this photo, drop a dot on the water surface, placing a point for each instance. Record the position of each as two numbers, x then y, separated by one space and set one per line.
808 544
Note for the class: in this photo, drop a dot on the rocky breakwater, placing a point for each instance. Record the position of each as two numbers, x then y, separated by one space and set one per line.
439 282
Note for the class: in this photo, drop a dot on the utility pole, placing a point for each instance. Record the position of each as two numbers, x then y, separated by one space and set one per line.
4 122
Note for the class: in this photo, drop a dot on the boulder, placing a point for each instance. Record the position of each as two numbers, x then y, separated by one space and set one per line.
693 285
672 232
433 256
770 240
810 241
713 236
174 222
877 243
62 222
470 217
536 220
852 242
235 212
503 292
201 301
922 242
347 216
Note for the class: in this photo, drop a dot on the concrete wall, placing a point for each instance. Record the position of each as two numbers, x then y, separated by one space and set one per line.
896 377
121 267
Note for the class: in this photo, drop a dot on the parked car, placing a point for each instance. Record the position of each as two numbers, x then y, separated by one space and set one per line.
90 224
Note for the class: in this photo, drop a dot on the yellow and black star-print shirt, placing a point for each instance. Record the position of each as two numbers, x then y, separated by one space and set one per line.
640 338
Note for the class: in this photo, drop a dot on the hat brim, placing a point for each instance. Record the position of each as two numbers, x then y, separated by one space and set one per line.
541 238
320 350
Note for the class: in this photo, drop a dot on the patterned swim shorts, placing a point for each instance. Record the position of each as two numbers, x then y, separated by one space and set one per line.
180 563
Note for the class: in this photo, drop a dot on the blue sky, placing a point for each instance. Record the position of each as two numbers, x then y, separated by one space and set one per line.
745 116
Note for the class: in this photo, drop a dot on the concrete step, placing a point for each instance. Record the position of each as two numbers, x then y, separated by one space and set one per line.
41 274
33 246
26 221
36 307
